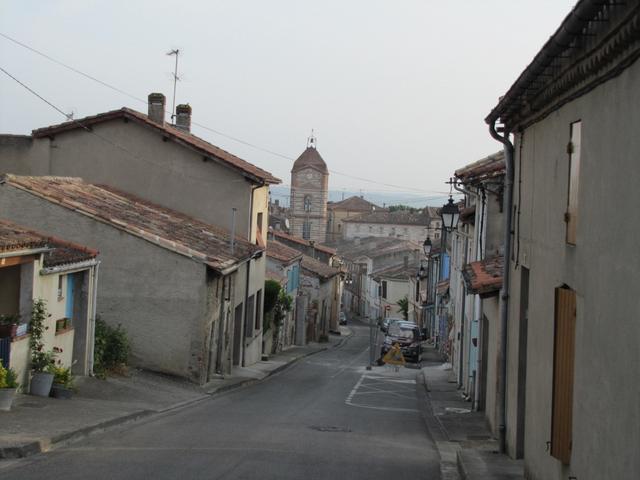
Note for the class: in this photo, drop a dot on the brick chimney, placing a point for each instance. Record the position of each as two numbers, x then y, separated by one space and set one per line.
183 117
156 108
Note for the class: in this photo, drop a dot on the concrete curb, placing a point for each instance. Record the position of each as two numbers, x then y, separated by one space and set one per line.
45 444
448 450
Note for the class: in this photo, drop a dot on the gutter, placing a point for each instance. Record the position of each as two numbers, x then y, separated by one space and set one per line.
69 267
504 294
92 320
23 253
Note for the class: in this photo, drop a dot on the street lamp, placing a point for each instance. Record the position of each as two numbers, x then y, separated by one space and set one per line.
450 215
426 247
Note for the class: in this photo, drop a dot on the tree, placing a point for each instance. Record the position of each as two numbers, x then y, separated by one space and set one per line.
403 303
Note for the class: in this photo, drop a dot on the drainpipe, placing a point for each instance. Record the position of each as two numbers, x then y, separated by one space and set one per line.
464 296
504 294
92 319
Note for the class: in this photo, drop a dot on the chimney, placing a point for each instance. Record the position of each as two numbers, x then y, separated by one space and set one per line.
156 108
183 117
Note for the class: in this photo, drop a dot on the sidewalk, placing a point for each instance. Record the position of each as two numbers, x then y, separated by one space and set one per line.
35 424
467 448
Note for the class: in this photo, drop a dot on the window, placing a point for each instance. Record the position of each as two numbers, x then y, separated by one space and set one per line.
249 317
259 231
60 286
571 216
563 361
307 203
306 230
259 310
370 229
381 229
384 289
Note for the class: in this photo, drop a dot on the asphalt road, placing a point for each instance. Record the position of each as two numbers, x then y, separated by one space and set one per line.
325 417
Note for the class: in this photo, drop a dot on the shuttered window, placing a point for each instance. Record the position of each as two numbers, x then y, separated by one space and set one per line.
571 216
563 367
384 289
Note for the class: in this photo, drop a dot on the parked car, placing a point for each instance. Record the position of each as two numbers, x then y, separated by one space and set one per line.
384 326
343 318
408 337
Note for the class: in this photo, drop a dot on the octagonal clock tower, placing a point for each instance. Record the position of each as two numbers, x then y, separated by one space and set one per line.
309 193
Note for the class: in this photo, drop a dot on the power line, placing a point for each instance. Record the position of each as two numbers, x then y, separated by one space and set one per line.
217 132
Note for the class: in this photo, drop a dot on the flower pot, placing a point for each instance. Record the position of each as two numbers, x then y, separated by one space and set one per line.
8 330
41 384
6 398
60 391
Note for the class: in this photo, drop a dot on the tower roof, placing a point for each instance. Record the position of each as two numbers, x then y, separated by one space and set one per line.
310 158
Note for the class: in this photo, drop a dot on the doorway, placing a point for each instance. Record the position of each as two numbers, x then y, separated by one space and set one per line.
237 335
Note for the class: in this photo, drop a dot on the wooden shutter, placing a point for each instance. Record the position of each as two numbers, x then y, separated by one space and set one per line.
571 216
563 366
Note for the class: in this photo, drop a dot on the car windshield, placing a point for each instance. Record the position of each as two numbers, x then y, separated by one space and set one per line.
404 332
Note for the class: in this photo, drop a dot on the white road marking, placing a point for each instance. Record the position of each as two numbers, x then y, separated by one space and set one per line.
372 389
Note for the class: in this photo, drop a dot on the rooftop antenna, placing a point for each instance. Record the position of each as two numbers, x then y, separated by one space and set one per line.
175 52
311 140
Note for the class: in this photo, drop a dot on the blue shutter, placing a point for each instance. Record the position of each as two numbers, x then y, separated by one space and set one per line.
68 311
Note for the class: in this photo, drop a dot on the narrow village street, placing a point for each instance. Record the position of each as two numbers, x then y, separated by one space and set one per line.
324 417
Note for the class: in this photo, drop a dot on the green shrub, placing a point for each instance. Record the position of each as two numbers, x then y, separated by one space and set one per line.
8 378
112 348
61 376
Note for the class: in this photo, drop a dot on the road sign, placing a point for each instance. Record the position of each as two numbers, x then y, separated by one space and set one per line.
394 356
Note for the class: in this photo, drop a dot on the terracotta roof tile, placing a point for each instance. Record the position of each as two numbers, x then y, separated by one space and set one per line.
310 158
400 272
482 170
164 227
354 204
281 252
302 241
14 237
398 217
318 268
188 139
484 277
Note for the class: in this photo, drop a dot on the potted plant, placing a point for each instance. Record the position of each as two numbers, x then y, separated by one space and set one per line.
62 386
9 325
41 379
8 387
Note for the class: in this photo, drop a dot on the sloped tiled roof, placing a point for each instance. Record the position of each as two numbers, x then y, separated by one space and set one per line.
302 241
281 252
353 204
318 268
14 237
185 138
485 276
310 158
487 168
164 227
399 217
374 247
398 272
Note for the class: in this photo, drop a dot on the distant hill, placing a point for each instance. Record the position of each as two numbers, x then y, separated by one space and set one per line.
379 198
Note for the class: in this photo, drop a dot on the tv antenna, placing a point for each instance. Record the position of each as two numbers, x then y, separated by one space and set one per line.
175 52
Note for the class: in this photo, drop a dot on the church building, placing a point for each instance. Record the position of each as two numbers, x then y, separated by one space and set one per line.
309 193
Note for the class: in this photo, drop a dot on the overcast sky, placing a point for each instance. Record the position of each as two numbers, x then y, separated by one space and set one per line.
395 90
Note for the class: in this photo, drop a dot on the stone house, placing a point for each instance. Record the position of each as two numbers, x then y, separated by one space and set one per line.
337 212
476 249
283 265
177 285
158 162
312 249
320 285
569 401
63 274
401 224
394 285
360 257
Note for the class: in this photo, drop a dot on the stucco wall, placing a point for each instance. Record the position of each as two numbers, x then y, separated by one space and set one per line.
603 270
415 233
158 296
159 171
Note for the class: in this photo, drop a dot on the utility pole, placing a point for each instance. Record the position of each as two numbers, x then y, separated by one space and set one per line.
371 343
175 52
